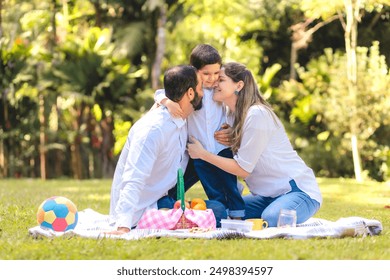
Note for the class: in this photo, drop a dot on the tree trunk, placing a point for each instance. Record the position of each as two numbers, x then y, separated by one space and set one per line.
76 158
293 60
2 160
1 19
301 37
352 15
4 142
160 41
75 145
42 137
108 141
53 40
98 14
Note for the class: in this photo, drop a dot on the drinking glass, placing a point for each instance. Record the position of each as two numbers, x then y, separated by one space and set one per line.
287 218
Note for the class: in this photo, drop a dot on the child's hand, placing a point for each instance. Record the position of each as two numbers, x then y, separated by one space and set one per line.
223 136
173 108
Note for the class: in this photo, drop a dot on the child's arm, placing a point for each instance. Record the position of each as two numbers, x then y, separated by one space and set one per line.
173 107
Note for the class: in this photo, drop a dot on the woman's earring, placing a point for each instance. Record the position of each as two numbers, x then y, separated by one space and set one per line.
236 92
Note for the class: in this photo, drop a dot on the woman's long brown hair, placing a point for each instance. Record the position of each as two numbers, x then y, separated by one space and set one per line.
248 96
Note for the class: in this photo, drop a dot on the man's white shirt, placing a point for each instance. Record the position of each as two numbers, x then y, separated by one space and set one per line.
147 167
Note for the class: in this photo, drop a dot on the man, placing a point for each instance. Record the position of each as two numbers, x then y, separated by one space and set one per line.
155 149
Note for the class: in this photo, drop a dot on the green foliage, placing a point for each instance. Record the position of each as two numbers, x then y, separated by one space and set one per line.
121 131
83 55
342 198
18 123
265 81
322 99
13 60
317 9
224 30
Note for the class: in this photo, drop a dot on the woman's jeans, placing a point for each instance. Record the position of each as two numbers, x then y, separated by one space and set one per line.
268 208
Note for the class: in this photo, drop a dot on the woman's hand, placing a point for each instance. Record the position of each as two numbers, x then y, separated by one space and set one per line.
223 136
195 148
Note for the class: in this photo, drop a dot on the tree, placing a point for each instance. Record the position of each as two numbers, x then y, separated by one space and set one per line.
12 61
352 12
162 8
301 37
1 19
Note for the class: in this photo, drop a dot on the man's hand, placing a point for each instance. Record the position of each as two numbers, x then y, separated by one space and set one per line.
223 136
118 231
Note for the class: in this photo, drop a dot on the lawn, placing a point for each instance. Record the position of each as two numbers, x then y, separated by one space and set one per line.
20 198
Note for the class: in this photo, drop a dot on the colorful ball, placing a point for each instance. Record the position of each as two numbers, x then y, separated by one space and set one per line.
57 213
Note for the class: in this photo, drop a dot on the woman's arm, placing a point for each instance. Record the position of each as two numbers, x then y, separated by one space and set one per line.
196 150
223 135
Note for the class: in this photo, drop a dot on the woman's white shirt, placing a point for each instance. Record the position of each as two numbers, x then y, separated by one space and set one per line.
267 154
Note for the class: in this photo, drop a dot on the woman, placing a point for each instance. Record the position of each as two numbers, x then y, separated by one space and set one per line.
263 155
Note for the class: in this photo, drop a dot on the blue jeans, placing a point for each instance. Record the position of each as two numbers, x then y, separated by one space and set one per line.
217 207
220 185
268 208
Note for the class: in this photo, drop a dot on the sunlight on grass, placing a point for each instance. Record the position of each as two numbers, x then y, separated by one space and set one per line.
360 194
19 200
98 197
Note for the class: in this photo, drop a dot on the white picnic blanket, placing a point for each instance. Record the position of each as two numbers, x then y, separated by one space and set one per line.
92 224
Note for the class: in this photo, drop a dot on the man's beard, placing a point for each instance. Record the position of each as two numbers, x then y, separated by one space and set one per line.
196 102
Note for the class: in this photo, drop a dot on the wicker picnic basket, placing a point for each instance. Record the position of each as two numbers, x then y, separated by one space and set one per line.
183 222
181 218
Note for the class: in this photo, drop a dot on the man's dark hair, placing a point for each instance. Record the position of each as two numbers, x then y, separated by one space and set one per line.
178 79
204 54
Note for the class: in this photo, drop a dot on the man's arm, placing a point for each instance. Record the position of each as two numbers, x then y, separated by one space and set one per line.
141 155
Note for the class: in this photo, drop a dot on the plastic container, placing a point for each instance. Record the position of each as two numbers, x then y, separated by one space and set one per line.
237 225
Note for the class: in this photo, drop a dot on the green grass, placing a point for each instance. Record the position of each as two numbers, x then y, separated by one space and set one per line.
19 200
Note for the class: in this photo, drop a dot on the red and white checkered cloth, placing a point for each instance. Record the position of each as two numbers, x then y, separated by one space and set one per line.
160 219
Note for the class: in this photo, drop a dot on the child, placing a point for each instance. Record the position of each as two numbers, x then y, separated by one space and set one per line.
217 184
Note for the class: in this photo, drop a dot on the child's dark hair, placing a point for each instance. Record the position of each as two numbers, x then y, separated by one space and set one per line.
204 54
178 79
